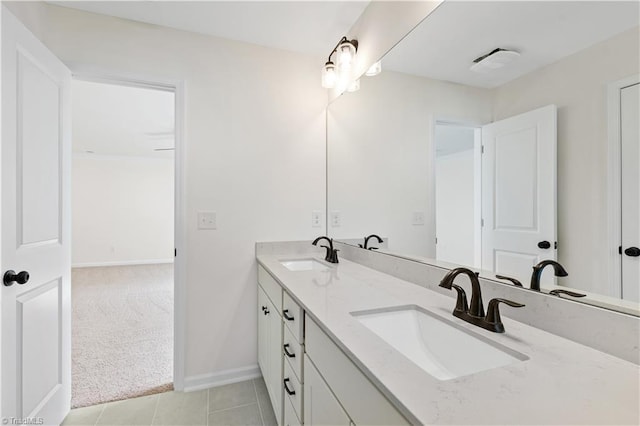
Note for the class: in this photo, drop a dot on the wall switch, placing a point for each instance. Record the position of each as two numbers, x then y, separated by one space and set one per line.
418 218
335 219
207 220
316 218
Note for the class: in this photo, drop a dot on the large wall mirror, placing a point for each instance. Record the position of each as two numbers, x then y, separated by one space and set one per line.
498 135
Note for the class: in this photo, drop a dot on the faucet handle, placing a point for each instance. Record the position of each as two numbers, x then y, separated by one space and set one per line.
513 280
461 302
493 313
558 292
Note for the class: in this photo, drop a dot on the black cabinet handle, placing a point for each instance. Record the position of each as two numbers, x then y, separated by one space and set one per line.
264 308
544 245
632 251
286 351
286 388
10 277
286 316
266 311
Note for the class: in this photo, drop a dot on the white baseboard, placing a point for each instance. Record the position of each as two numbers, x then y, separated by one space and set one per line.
122 263
205 381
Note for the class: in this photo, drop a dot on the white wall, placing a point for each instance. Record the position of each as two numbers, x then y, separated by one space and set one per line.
122 210
454 206
577 85
255 154
381 164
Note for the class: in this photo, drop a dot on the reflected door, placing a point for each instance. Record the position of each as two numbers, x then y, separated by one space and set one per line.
630 180
36 341
519 193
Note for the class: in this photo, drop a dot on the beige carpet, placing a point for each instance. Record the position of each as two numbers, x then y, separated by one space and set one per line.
122 332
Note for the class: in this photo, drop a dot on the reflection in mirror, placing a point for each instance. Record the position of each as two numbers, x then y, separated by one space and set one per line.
532 156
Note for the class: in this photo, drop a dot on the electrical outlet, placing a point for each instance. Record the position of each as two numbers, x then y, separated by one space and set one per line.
335 219
418 218
207 220
316 217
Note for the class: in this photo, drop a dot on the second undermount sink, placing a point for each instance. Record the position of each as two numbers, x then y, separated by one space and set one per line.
303 265
442 348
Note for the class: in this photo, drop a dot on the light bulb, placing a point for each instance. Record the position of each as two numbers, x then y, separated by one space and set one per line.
354 86
375 69
329 75
346 54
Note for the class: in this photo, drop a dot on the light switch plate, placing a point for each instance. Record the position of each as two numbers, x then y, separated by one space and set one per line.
316 218
207 220
418 218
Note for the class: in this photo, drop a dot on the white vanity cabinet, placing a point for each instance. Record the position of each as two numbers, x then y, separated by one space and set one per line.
270 338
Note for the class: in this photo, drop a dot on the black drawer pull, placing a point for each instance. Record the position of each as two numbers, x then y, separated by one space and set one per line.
287 353
632 252
286 388
286 316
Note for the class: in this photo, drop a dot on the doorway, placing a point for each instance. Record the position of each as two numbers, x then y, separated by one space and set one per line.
123 241
457 195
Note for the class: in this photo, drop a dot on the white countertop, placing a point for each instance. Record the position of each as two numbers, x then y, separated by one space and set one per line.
561 383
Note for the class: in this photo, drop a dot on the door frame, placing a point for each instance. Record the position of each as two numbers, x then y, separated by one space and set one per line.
95 74
477 178
614 182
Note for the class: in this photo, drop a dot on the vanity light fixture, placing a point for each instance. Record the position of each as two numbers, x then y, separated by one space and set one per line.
346 52
493 60
374 69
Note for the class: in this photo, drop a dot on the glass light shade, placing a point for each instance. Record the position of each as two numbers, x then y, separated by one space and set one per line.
346 54
354 86
329 75
375 69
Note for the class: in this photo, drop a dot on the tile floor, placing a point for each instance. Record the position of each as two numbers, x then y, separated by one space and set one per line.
244 403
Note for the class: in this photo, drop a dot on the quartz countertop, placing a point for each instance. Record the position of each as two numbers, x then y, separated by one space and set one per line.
561 383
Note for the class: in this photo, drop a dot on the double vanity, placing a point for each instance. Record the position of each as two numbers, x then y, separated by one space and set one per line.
346 344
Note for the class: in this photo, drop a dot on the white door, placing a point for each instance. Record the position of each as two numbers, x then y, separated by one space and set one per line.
519 194
630 180
35 160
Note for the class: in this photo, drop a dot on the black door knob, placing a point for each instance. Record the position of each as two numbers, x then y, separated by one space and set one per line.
544 244
10 277
632 251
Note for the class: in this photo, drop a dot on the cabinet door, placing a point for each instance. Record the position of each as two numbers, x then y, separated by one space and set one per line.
275 361
263 335
320 405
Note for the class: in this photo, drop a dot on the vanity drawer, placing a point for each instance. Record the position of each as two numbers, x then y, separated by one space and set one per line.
291 347
293 317
292 389
290 416
271 287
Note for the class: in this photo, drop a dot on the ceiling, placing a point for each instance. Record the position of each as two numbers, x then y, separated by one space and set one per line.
119 120
445 44
310 27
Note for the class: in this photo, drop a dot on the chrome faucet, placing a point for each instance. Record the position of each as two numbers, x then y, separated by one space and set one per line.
474 314
537 272
332 254
366 242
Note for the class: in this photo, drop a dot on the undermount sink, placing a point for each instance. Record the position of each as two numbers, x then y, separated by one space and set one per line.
442 348
303 265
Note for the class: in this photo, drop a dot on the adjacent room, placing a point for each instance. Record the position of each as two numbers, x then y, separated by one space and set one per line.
122 247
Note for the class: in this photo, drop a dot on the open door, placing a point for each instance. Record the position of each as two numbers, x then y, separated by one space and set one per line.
35 233
519 193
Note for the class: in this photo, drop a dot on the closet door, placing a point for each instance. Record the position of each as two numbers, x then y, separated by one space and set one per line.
630 180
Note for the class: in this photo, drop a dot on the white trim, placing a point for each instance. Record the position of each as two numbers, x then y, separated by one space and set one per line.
122 263
101 74
234 375
614 185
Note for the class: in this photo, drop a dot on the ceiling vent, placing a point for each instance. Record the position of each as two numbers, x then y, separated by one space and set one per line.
493 60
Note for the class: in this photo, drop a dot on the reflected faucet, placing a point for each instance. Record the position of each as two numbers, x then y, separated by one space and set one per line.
331 253
537 272
475 313
366 242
